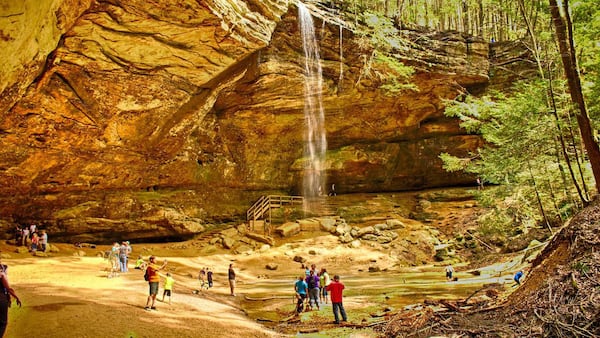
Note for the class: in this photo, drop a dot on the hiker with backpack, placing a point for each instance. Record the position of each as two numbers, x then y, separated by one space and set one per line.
153 278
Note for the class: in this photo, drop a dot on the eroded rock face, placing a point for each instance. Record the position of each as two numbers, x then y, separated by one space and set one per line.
148 117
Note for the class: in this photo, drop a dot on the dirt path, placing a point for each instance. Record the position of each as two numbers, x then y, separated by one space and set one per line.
71 297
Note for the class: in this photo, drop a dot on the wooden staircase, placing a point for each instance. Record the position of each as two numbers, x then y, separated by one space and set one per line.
261 209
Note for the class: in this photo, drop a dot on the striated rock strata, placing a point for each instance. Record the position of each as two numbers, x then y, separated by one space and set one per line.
155 119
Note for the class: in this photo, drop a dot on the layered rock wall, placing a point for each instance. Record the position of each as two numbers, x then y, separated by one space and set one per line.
155 118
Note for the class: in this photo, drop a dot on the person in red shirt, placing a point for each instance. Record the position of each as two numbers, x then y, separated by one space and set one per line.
336 288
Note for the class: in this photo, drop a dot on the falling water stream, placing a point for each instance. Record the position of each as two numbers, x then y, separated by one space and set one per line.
316 142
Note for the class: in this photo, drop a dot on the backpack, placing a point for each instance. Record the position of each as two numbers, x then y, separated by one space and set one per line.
147 275
311 282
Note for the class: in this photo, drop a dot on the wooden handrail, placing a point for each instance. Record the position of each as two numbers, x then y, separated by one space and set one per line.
265 203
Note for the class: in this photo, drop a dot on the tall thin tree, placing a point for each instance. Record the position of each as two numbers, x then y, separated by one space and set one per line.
568 57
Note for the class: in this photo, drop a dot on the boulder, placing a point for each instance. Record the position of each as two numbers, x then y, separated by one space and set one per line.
364 231
309 224
228 242
261 238
327 223
346 238
394 224
380 227
271 266
299 259
288 229
355 244
341 229
369 237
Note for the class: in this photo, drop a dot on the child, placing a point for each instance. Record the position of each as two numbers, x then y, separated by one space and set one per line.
169 281
140 264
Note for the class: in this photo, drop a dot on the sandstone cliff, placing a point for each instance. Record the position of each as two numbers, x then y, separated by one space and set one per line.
151 119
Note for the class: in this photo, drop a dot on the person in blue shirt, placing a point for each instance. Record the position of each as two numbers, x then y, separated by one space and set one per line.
300 287
517 277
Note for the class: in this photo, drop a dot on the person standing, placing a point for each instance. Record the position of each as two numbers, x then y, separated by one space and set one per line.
43 241
231 277
449 272
5 300
324 281
209 277
301 288
201 276
35 241
313 289
336 288
169 281
25 236
153 280
123 252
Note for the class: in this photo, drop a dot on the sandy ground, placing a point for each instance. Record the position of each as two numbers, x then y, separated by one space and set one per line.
67 295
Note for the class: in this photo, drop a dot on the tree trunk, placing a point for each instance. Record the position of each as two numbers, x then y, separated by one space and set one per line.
571 73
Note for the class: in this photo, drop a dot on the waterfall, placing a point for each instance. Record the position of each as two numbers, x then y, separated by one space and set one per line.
316 142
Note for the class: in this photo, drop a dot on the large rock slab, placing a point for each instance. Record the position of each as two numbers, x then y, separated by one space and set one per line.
108 98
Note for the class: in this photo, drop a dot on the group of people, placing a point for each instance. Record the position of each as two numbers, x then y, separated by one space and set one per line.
119 257
30 237
314 287
205 276
153 275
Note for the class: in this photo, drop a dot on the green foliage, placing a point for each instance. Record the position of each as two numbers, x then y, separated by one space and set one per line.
383 61
586 22
521 156
581 267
